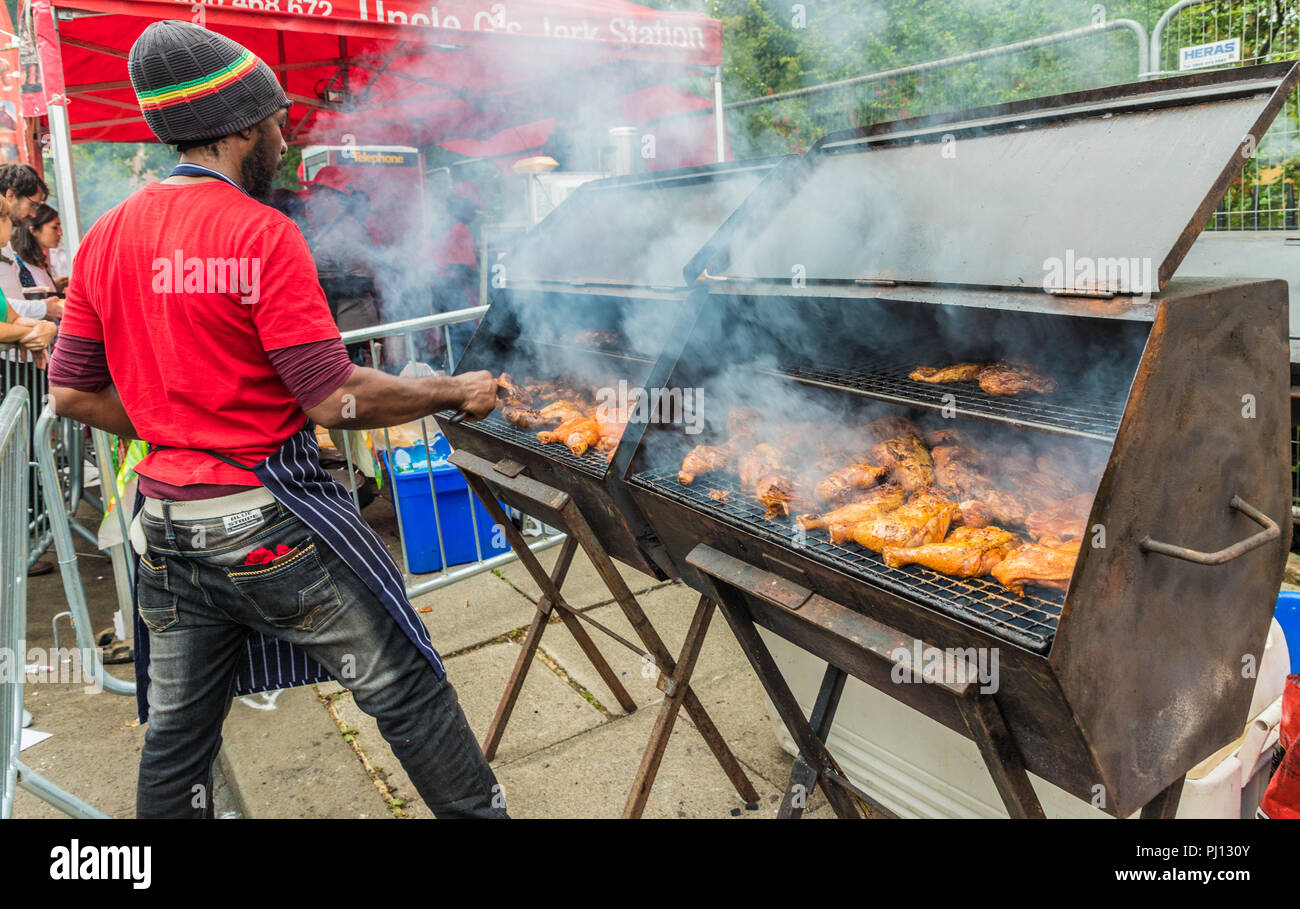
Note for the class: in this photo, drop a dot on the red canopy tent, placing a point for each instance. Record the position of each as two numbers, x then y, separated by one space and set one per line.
476 76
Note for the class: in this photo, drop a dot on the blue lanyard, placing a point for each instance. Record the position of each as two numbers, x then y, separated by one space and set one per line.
198 170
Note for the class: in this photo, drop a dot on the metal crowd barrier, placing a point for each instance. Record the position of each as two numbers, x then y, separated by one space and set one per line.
15 422
18 371
395 346
61 532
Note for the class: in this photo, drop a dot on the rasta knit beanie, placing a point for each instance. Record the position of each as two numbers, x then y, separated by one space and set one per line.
194 84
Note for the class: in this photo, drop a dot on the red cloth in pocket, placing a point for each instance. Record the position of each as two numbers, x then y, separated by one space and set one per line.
261 555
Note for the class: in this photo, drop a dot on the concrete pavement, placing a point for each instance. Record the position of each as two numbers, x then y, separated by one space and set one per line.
569 750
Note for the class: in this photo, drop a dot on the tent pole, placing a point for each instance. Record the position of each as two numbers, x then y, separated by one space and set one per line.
719 124
61 145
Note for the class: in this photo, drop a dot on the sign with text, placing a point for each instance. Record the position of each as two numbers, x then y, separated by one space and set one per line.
1216 53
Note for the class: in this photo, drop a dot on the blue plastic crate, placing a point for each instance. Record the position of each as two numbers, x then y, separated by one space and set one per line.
1288 616
410 479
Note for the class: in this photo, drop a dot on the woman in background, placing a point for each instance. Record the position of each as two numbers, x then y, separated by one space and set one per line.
34 243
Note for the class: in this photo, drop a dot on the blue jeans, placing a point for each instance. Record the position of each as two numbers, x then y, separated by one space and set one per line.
200 603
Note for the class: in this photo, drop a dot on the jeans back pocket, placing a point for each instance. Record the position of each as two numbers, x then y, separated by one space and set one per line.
154 597
293 591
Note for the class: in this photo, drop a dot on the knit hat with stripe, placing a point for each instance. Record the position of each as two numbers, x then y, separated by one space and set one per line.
194 84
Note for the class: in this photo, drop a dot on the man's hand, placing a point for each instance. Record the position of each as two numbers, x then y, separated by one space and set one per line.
40 337
479 390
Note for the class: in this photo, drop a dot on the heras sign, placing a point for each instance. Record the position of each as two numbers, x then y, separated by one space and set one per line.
1213 54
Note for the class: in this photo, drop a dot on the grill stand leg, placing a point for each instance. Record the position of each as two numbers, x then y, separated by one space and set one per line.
1165 805
814 764
551 598
1001 756
675 675
529 650
803 777
812 750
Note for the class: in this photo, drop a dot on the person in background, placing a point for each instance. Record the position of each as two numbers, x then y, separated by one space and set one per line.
33 337
24 191
31 243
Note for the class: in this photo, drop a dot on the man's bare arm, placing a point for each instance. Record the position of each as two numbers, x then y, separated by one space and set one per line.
101 409
370 399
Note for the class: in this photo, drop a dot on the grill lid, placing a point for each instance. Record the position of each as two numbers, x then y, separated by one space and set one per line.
1098 191
637 231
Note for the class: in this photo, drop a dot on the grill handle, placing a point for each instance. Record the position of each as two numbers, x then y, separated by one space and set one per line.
1270 532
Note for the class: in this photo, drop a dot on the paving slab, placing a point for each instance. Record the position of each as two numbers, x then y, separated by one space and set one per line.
669 609
284 757
94 752
583 586
589 776
739 708
473 611
548 711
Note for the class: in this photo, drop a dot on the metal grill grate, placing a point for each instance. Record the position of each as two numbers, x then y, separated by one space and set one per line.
1067 412
592 462
1029 621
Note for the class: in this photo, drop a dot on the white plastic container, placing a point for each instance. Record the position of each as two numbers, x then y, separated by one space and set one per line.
917 767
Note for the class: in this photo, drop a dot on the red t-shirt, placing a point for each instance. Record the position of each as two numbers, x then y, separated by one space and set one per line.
189 286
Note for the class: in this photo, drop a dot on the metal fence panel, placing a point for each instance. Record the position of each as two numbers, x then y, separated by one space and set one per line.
1108 53
14 410
428 345
1265 195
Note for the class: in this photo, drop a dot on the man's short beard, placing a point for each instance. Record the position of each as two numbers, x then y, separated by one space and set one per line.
258 172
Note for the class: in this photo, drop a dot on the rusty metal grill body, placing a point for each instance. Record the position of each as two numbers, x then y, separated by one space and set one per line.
613 256
1134 674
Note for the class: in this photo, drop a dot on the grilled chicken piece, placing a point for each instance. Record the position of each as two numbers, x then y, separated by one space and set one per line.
562 411
511 392
1034 563
942 375
1040 490
956 467
719 495
843 481
775 492
703 459
937 437
992 506
871 504
613 421
967 552
763 459
522 417
893 427
908 460
923 520
1011 378
1063 521
577 434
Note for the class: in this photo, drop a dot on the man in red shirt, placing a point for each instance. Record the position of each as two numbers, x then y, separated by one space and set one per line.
195 321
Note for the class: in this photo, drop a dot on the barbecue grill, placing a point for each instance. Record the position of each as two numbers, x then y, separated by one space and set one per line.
959 238
610 259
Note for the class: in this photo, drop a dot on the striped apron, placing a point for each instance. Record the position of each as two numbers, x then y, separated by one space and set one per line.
294 476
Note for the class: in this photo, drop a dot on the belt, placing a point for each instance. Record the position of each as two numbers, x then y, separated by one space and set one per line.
207 509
